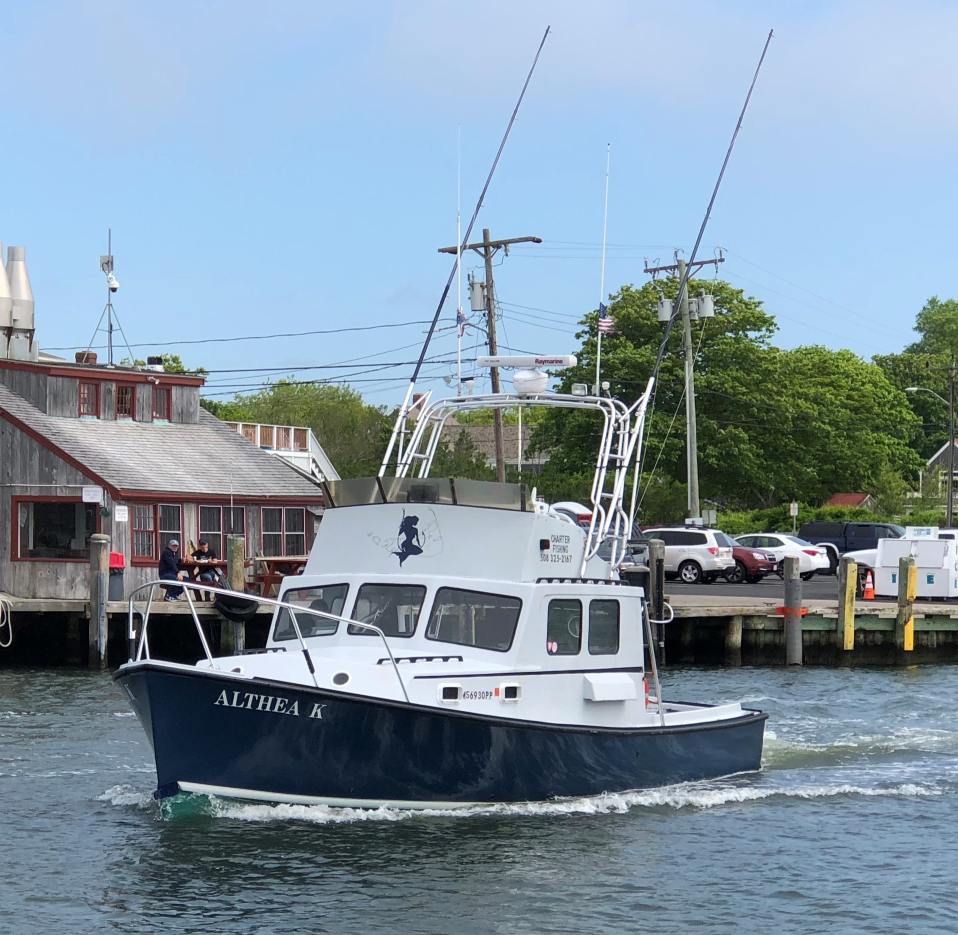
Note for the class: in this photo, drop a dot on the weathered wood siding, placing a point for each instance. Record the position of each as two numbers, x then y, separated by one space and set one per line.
144 402
31 386
63 397
186 404
108 400
28 468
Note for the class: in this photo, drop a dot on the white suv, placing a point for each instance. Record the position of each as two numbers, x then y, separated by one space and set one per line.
693 554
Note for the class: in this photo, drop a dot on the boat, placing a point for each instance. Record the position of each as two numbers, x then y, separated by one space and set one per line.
451 642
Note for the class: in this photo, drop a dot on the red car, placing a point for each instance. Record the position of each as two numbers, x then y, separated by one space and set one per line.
751 565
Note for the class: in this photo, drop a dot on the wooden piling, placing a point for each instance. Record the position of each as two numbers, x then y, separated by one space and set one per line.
847 589
233 633
793 612
99 589
656 596
733 641
907 589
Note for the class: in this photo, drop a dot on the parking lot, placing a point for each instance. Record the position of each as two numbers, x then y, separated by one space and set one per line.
821 587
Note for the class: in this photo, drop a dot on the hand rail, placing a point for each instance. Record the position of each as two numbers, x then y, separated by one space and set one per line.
143 648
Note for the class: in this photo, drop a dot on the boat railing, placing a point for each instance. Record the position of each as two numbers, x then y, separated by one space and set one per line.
140 648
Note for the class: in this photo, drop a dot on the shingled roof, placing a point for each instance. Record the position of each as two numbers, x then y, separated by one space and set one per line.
129 457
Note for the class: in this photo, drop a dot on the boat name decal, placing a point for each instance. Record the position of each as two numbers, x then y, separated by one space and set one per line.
273 704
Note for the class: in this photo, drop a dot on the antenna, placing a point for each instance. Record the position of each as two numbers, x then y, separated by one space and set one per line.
460 317
605 228
112 285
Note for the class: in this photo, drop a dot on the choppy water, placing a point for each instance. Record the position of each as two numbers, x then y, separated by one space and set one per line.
849 828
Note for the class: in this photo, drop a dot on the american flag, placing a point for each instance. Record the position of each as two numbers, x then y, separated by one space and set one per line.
606 322
461 321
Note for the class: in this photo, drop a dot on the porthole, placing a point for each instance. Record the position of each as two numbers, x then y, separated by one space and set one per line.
340 678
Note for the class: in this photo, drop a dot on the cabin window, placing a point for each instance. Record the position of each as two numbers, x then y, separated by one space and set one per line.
564 627
89 399
153 526
473 618
329 598
218 522
604 628
393 608
125 400
284 530
171 524
161 403
55 529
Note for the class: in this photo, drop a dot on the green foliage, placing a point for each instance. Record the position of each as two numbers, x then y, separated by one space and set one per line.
461 458
773 425
172 363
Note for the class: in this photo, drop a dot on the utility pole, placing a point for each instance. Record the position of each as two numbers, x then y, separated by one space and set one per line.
691 449
487 250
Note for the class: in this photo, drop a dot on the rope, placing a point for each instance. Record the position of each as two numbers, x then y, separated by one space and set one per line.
6 621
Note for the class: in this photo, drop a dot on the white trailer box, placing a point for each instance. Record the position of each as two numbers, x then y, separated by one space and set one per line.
936 559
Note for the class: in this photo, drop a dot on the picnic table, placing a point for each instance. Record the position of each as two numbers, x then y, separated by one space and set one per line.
269 571
195 568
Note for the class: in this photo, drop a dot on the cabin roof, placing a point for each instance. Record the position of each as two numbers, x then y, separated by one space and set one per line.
205 457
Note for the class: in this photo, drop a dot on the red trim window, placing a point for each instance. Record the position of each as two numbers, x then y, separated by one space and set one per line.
125 400
144 531
53 529
88 399
162 403
152 527
218 522
284 530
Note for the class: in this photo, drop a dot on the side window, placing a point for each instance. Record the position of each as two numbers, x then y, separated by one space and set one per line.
394 608
662 535
696 538
603 628
472 618
771 542
750 542
327 599
564 627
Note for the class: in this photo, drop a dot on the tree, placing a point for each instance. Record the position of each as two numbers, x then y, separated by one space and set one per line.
773 425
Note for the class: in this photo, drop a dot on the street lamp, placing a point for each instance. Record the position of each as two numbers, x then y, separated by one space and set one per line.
950 403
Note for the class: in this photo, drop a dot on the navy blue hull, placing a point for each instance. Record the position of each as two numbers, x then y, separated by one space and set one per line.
281 740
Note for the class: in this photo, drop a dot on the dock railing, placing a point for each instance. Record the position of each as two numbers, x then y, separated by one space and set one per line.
140 648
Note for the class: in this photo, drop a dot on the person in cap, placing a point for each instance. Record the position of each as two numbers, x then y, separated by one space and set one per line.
170 569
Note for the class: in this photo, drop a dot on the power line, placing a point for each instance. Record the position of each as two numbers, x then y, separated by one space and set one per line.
256 337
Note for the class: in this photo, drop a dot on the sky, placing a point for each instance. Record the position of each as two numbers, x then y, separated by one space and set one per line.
294 168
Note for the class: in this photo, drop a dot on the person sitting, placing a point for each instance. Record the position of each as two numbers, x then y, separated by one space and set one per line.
204 554
169 569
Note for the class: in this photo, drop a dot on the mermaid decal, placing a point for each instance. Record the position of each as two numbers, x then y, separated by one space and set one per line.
409 541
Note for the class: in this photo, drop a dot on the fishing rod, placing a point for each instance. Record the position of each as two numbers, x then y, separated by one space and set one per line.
398 428
683 283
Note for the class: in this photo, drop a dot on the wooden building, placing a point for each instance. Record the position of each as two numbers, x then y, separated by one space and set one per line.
166 468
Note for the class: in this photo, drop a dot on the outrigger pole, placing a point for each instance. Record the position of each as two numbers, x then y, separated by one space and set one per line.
597 389
683 283
400 426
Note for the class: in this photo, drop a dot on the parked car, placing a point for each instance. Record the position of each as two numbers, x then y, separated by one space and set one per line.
693 554
812 559
751 565
580 514
839 538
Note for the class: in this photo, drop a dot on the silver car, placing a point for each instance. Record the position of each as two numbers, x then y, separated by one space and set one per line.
693 554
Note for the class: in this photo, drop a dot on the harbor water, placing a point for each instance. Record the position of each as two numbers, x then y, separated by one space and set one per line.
848 828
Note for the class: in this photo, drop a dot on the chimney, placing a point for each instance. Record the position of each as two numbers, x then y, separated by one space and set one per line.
86 357
6 308
22 345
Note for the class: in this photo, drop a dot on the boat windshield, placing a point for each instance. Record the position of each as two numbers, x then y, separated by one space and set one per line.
394 608
361 491
472 618
327 598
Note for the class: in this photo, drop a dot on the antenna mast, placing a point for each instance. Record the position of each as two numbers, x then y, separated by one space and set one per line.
605 227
